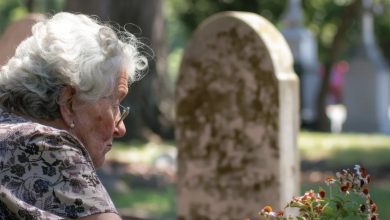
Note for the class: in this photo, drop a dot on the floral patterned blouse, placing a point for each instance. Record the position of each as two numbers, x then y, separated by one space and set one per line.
46 173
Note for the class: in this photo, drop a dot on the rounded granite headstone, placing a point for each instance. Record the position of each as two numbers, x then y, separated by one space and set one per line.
237 120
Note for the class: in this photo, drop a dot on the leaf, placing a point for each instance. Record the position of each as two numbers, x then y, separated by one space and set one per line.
55 198
14 186
328 211
48 202
57 162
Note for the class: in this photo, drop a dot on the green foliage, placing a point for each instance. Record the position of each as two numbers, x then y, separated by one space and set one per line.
379 191
173 62
321 17
382 27
192 12
347 197
12 10
182 17
50 6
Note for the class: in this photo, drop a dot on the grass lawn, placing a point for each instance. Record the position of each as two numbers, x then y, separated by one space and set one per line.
345 149
147 202
320 152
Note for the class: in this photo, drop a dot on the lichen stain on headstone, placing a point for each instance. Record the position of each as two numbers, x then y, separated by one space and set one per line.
241 92
253 95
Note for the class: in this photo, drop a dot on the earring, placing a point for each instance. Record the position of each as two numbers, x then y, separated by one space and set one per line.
71 125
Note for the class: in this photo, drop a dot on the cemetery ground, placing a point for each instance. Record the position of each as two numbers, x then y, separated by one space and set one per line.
141 178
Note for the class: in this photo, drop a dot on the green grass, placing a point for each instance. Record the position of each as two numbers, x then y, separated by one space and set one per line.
381 194
147 202
335 150
345 149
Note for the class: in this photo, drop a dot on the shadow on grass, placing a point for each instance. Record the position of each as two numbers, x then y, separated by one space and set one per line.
376 161
150 203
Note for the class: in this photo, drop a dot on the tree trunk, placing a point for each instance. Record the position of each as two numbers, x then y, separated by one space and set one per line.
332 55
30 5
144 19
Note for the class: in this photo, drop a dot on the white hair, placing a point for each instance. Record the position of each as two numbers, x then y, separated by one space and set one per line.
67 49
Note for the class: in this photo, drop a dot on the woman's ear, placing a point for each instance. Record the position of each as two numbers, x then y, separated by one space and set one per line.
65 100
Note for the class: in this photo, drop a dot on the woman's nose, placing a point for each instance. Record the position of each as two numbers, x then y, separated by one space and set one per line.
120 129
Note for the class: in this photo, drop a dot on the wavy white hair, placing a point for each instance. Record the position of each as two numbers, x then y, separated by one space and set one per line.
67 49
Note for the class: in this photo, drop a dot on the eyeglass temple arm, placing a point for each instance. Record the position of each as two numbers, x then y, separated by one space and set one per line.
123 115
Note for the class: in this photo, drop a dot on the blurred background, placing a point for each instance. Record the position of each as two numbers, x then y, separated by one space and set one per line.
327 39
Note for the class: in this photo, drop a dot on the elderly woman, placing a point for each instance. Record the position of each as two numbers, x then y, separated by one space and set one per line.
60 105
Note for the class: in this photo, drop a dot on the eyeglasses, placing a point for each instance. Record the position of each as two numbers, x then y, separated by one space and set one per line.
124 112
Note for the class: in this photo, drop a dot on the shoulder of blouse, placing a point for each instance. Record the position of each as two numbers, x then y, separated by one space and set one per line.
16 127
49 164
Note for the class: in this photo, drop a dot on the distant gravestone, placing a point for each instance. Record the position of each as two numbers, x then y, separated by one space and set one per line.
237 120
15 33
366 93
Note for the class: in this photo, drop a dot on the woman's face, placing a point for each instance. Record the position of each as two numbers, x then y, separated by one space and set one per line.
96 122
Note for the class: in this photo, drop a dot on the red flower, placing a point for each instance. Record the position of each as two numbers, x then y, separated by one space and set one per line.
322 193
373 208
365 191
329 180
362 208
279 214
345 187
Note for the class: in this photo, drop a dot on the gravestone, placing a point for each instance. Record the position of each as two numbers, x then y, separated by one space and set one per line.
237 120
366 93
15 33
304 49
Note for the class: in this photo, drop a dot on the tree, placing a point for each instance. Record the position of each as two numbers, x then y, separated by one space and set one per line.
148 98
334 28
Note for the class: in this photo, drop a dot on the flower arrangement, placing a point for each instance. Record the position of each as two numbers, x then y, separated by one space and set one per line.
347 196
